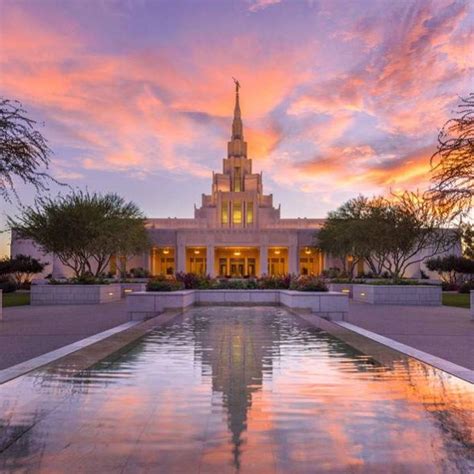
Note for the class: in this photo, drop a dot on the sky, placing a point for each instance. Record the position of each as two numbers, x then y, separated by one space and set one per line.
338 98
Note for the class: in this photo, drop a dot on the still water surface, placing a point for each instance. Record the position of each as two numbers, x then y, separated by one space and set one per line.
238 390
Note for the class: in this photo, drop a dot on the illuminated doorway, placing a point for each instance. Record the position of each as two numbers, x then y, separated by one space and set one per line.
162 261
237 262
310 261
277 261
196 261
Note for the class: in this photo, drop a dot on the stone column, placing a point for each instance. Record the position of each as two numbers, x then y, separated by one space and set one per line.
263 260
180 258
293 259
210 253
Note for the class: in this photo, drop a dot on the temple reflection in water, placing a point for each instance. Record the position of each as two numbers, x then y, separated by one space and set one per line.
238 352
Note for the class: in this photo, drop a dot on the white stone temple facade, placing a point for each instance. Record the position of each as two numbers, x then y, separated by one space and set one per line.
236 231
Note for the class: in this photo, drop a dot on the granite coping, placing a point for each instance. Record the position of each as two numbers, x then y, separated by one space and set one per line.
44 359
86 352
383 349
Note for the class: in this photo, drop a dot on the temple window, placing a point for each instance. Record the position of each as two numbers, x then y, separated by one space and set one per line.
237 212
225 212
237 180
250 212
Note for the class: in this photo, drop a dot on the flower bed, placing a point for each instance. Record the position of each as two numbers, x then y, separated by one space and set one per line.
191 281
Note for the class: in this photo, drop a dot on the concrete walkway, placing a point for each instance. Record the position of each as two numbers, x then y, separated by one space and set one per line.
443 331
29 331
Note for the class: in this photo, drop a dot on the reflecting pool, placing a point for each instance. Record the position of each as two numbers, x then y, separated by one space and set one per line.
238 390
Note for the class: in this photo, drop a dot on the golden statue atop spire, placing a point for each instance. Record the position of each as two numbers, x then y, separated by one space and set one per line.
237 85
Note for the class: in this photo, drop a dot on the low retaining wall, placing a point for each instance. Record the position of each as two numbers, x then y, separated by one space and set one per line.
132 287
74 294
333 305
236 297
341 288
414 295
145 304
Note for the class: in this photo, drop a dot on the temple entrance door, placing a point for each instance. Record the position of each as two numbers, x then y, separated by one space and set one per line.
237 267
251 267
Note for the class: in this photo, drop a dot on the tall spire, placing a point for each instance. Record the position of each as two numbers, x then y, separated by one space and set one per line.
237 146
237 127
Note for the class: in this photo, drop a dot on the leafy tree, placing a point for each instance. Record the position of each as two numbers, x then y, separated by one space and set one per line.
343 236
84 230
450 267
453 162
24 152
389 234
420 229
468 240
21 268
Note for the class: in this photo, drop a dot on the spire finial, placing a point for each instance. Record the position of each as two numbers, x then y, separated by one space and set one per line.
237 146
237 85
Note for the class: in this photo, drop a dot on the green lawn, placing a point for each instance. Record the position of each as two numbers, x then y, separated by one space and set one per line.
15 299
460 300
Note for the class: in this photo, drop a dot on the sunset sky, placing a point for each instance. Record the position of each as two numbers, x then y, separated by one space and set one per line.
338 97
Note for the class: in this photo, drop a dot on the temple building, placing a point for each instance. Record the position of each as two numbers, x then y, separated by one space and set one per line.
237 231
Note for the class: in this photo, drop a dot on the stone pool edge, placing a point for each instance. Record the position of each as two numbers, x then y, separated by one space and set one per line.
72 356
359 339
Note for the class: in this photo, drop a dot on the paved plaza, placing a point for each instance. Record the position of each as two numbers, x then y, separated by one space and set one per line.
29 331
443 331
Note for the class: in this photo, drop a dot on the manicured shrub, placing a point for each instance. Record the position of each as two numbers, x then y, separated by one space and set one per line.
450 267
7 284
308 283
164 284
466 287
139 272
446 286
333 272
85 279
268 282
192 281
400 281
229 284
21 269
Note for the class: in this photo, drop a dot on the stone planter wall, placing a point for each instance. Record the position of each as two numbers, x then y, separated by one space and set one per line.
74 294
147 304
341 288
326 304
236 297
416 295
132 287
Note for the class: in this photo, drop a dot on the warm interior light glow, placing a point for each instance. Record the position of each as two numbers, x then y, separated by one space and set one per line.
166 251
237 253
197 252
277 252
307 251
128 290
345 290
111 294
